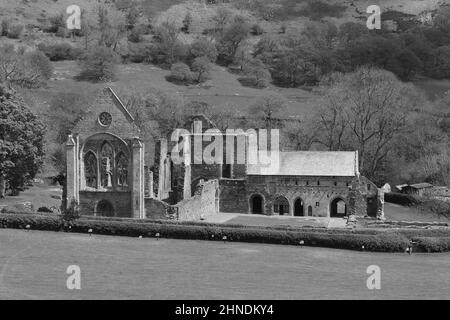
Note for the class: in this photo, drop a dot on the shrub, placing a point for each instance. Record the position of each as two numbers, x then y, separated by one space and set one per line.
36 222
204 48
36 69
99 64
430 244
232 37
202 69
4 27
60 51
138 52
61 32
56 22
383 241
18 208
14 31
187 22
72 213
256 30
180 72
136 33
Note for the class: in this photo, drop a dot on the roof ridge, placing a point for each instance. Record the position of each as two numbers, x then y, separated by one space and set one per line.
120 104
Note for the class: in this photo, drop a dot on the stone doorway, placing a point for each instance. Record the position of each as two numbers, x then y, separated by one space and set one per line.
338 208
298 208
257 204
105 209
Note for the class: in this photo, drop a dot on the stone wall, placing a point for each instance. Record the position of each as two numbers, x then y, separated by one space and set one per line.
232 196
121 202
159 210
314 192
201 205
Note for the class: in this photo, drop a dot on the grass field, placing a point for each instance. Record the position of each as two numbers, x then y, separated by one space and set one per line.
33 266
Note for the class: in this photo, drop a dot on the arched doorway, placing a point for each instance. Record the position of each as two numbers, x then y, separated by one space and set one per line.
105 209
338 208
256 204
298 208
281 206
310 211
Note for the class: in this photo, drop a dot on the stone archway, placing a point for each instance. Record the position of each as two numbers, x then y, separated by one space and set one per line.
338 208
299 207
105 209
281 206
256 204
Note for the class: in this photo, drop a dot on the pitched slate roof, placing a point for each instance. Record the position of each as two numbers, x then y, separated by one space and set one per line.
422 185
310 163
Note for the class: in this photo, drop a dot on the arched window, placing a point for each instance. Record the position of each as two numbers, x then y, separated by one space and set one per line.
106 168
90 169
281 206
122 170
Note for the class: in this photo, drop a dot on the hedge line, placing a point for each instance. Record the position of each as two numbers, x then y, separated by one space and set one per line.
384 241
432 244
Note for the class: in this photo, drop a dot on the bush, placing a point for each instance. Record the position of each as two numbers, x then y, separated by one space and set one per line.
35 70
256 30
181 73
72 213
36 222
4 28
430 244
138 52
204 48
98 65
62 32
56 22
14 31
383 242
136 33
60 51
19 208
202 69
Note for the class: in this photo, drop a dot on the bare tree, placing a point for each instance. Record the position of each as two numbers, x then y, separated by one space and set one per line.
365 110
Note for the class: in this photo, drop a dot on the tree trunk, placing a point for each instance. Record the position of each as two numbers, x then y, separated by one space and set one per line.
2 186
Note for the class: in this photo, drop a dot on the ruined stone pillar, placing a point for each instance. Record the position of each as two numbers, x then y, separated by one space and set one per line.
380 204
71 171
162 174
187 182
150 184
137 190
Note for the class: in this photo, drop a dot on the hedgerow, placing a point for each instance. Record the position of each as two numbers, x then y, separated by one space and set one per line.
369 240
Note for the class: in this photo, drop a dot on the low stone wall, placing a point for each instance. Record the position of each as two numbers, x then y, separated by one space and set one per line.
201 205
121 201
159 210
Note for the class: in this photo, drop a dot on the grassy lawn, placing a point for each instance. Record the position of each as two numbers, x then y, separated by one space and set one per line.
225 88
260 220
33 266
397 212
39 196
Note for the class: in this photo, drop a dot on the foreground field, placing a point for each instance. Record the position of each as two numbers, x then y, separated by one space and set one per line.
33 266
